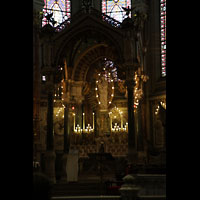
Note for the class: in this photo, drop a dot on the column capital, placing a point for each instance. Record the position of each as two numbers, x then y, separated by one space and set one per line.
48 72
66 99
74 92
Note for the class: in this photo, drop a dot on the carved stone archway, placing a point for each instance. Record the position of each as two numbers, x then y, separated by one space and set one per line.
87 26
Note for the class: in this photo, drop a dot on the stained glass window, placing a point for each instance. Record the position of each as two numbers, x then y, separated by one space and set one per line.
110 71
61 10
163 36
113 8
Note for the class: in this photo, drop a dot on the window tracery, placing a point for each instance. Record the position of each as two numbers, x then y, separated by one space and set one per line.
163 36
60 10
113 8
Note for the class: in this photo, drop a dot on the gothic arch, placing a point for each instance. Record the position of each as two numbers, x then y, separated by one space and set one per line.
91 27
89 62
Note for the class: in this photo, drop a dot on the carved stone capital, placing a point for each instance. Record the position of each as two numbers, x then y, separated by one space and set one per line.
66 97
48 72
74 92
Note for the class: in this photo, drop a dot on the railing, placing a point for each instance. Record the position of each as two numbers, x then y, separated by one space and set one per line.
88 197
104 197
128 190
151 198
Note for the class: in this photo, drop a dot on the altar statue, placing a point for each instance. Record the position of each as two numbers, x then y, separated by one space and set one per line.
103 93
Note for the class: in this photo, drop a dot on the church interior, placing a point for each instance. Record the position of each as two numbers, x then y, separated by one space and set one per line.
99 91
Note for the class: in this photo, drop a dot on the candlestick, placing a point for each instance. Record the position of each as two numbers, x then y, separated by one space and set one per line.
111 123
93 121
83 121
74 120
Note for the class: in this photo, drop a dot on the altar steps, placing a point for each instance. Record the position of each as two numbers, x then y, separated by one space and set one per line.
78 189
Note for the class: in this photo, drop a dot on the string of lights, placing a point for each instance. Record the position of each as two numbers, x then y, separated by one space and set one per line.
138 90
163 104
108 77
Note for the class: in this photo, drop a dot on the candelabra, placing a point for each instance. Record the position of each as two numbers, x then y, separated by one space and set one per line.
85 129
116 113
117 128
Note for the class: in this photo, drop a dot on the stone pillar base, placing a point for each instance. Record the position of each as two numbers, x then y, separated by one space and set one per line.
128 190
50 157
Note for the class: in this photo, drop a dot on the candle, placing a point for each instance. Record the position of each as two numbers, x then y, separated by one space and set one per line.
111 123
93 121
83 121
74 121
121 122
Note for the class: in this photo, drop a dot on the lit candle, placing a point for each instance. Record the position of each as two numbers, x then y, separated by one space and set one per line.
121 121
83 121
74 121
93 121
111 123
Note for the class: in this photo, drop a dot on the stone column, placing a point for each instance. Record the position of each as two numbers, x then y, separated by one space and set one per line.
50 155
130 83
73 90
50 136
131 65
66 97
66 129
131 123
66 143
140 144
